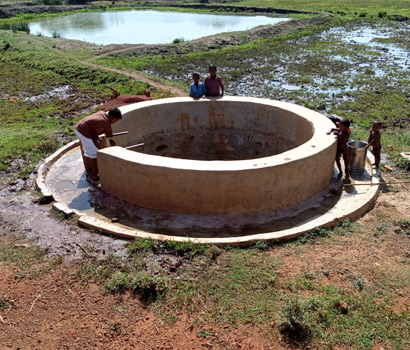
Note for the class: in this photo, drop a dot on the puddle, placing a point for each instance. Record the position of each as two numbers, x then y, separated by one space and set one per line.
61 92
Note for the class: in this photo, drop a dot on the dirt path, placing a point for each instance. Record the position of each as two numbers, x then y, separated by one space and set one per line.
172 90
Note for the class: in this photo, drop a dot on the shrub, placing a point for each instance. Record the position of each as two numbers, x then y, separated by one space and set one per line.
118 283
54 2
403 163
293 325
56 34
149 287
178 40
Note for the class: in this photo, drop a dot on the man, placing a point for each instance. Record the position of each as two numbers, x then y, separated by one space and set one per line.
87 130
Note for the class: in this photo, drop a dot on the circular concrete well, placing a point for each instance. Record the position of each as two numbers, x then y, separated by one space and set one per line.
218 156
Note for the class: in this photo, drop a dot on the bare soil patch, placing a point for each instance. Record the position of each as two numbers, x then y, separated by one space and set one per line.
52 308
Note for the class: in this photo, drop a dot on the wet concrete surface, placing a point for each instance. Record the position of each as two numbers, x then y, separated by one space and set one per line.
66 180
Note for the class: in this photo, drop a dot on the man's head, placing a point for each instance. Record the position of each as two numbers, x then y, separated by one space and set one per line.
195 77
212 70
377 124
344 124
115 115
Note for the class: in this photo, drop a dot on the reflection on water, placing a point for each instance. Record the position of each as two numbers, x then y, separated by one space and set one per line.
144 26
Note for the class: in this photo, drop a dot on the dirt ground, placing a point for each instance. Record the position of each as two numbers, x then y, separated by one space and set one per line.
57 311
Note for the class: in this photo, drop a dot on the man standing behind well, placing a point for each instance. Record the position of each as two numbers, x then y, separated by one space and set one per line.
213 82
88 129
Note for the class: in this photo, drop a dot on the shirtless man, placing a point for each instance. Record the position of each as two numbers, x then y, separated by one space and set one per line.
87 130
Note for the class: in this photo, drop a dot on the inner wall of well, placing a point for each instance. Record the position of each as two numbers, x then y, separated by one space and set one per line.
213 130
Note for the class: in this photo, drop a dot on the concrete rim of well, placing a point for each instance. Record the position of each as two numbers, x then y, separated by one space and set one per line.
347 211
351 212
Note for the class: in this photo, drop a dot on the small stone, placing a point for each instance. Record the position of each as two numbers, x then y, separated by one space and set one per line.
343 307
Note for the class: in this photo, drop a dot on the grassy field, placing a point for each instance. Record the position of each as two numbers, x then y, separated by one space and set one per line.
34 126
293 293
44 92
351 7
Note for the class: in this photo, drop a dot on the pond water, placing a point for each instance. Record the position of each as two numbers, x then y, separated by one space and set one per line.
144 26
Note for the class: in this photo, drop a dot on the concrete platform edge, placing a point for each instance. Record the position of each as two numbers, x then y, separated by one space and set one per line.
48 162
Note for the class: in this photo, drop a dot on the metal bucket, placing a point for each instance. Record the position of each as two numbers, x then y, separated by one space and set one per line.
358 152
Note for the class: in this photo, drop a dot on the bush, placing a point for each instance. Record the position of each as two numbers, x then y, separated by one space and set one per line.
293 325
56 34
178 40
149 287
118 283
54 2
403 163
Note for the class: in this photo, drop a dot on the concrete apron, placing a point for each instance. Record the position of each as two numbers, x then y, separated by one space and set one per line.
63 177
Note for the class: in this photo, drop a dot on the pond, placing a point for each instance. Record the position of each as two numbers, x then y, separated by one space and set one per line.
144 26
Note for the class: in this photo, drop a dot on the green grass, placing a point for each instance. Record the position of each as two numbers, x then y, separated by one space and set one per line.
27 260
32 123
350 7
22 256
245 285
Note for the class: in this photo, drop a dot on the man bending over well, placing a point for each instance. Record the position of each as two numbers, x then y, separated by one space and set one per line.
87 130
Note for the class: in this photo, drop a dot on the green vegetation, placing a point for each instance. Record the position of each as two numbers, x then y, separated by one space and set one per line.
248 285
4 302
361 8
45 90
325 73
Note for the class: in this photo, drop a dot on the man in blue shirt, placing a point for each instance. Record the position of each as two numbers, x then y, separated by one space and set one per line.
197 89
